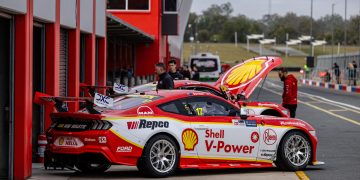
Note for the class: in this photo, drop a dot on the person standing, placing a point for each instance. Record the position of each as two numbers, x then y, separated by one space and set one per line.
337 73
165 80
186 72
289 95
173 72
351 75
195 73
355 72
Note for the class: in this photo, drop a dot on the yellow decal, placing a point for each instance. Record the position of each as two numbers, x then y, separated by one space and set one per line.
244 72
189 139
61 141
199 111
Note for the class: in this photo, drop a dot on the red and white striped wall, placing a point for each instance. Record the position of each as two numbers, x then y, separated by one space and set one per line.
339 87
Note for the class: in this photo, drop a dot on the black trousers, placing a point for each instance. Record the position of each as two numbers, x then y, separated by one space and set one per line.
291 108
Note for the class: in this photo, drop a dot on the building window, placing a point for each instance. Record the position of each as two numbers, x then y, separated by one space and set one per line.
170 6
129 5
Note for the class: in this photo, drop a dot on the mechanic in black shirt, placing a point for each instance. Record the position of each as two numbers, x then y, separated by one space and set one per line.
176 75
165 80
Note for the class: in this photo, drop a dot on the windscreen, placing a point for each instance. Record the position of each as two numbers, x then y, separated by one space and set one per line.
132 101
205 64
143 88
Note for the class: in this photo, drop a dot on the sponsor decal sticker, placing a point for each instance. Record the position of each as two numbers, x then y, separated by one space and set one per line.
144 124
124 149
103 101
120 88
267 153
250 123
255 137
238 122
71 126
68 142
215 143
198 93
145 110
89 140
285 123
189 139
102 140
269 136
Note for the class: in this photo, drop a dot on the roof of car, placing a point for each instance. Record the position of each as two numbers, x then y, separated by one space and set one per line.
174 93
179 83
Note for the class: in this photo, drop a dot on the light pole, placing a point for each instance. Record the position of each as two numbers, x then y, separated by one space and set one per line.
311 25
345 34
332 34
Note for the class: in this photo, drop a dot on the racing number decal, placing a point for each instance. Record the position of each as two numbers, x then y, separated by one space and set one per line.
199 111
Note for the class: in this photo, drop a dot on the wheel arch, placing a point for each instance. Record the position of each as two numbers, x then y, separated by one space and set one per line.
308 135
172 136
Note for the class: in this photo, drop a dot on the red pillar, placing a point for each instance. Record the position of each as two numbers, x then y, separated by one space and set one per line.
52 61
74 61
102 62
23 93
90 41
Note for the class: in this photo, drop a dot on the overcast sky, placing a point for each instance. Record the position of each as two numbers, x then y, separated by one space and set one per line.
257 8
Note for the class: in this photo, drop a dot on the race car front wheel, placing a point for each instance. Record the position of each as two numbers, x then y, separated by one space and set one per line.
160 157
294 152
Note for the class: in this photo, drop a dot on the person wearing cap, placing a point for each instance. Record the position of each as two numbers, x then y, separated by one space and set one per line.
165 80
289 95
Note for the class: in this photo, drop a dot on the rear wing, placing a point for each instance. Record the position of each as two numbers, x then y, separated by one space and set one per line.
111 91
60 102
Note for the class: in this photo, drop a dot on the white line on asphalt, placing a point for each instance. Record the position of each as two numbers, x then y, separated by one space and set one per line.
322 98
320 109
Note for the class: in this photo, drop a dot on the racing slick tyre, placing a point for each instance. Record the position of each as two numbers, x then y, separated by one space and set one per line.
92 167
160 157
294 152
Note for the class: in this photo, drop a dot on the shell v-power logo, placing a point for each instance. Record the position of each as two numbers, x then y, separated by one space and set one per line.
190 139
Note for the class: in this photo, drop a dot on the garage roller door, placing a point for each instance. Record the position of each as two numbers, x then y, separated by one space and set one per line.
64 58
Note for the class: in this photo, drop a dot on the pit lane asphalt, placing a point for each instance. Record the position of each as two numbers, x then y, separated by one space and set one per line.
339 142
336 117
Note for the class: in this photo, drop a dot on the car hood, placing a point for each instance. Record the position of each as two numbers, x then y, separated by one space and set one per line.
244 77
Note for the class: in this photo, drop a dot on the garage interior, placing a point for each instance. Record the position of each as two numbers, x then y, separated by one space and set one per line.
5 94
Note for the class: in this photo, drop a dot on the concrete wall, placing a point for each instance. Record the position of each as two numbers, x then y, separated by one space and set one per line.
100 18
45 10
86 15
68 13
18 6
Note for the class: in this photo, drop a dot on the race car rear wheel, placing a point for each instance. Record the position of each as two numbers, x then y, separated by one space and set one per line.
294 152
160 157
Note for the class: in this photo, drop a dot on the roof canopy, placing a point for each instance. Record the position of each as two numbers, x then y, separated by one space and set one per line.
120 29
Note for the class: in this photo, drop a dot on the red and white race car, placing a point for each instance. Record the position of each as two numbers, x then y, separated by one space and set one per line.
161 131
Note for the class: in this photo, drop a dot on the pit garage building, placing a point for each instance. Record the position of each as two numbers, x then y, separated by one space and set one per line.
52 46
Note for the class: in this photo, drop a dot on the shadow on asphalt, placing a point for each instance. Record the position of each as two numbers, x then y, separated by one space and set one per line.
134 174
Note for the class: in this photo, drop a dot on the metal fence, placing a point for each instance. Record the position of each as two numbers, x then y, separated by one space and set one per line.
325 64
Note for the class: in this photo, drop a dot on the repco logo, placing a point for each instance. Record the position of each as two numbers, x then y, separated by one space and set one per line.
269 136
143 124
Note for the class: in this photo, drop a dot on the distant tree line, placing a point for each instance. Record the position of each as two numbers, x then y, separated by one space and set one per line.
216 24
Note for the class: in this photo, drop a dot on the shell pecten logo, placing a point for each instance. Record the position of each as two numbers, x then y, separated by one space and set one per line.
190 139
244 72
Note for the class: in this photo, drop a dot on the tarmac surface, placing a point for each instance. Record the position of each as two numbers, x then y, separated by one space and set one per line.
334 114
